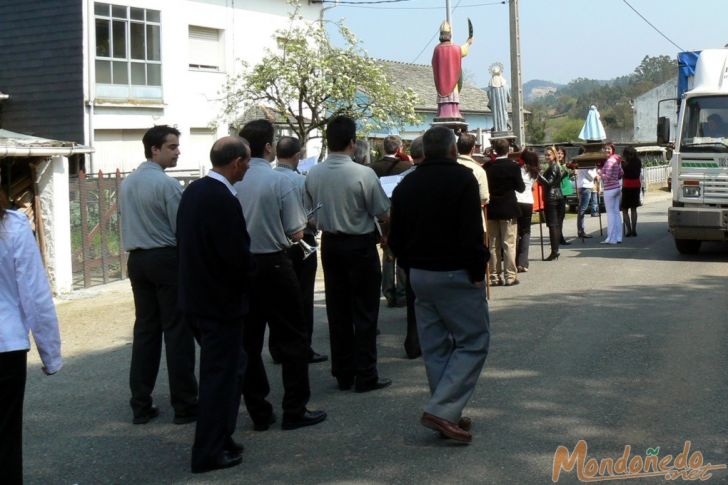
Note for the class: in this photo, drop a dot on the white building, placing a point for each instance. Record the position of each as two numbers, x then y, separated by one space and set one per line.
115 68
646 111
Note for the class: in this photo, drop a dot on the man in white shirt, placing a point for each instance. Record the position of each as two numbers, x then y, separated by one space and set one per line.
466 145
586 178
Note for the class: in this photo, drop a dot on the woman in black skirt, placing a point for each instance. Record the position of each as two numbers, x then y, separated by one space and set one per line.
631 186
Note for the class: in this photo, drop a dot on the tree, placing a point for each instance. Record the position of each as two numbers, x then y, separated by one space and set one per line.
656 70
536 125
568 131
308 81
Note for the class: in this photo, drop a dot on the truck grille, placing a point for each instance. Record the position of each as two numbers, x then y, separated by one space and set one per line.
715 188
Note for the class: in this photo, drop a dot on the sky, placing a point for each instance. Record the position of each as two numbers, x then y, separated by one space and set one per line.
561 40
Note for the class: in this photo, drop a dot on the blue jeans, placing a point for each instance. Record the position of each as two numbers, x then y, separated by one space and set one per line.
585 198
594 202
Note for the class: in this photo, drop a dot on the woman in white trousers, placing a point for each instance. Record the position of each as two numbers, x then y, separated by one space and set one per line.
611 174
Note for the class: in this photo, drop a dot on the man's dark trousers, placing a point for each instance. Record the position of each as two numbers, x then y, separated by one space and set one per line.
276 300
412 339
305 270
353 276
153 276
222 361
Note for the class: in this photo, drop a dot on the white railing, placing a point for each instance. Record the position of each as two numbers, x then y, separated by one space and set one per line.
656 175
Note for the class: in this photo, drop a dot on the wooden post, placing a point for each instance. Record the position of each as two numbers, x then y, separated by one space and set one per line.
83 203
122 253
103 228
38 215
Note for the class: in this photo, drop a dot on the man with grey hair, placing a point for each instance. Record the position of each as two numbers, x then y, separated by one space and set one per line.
392 163
361 152
447 269
289 151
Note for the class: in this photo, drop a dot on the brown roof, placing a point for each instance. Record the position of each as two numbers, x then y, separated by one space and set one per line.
419 78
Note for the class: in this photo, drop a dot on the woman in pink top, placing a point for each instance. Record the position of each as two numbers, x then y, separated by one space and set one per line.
611 174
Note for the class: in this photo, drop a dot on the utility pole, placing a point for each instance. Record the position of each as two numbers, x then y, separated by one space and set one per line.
516 81
447 13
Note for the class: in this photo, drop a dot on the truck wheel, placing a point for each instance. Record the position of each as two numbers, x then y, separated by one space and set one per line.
687 246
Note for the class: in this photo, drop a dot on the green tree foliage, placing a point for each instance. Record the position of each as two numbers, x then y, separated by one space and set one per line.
536 126
613 98
568 131
309 81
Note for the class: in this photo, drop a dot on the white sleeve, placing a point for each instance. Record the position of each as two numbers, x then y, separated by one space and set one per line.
35 299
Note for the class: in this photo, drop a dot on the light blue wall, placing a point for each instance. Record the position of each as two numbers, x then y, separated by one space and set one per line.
475 121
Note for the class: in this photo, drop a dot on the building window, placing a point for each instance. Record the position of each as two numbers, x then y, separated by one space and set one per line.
206 49
128 52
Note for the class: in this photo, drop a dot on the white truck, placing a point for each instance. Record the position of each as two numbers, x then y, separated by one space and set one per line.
699 162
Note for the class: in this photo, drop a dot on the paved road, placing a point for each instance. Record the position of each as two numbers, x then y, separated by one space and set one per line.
614 345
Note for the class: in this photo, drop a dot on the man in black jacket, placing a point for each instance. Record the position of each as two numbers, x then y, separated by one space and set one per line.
504 180
214 261
394 280
446 269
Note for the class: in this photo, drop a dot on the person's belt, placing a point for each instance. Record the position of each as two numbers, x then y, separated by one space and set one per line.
344 235
269 255
152 249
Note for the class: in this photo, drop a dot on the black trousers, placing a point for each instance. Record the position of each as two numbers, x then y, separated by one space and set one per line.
276 300
153 276
523 240
412 339
554 213
352 275
222 362
13 371
305 270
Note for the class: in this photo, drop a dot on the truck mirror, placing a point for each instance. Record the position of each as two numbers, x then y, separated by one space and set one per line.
663 130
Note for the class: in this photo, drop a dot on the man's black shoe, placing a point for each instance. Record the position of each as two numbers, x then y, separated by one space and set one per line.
308 418
317 358
584 235
233 446
372 386
184 418
264 425
225 460
147 415
345 383
413 354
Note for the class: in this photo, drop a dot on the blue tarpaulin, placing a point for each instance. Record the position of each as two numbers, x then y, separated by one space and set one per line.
686 62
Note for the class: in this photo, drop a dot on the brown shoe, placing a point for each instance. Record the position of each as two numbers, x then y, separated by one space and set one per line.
466 423
446 428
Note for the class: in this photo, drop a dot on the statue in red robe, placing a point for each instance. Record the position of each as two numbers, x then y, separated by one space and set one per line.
447 69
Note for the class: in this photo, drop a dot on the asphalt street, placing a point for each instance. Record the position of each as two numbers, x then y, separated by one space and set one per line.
615 345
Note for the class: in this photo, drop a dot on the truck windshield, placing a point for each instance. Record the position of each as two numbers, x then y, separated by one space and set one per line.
705 127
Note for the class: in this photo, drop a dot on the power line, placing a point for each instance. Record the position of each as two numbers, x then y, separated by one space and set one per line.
502 2
367 2
650 24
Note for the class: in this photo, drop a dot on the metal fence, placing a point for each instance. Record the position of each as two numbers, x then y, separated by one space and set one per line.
657 175
97 253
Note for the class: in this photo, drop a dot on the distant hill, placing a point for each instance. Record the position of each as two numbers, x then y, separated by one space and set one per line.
537 88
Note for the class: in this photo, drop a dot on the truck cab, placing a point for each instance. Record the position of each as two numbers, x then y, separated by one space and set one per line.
699 209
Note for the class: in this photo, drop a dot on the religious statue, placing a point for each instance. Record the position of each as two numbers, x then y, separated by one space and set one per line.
498 98
448 72
593 129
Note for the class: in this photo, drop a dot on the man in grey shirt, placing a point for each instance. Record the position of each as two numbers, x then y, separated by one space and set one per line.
275 218
288 151
351 198
149 199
